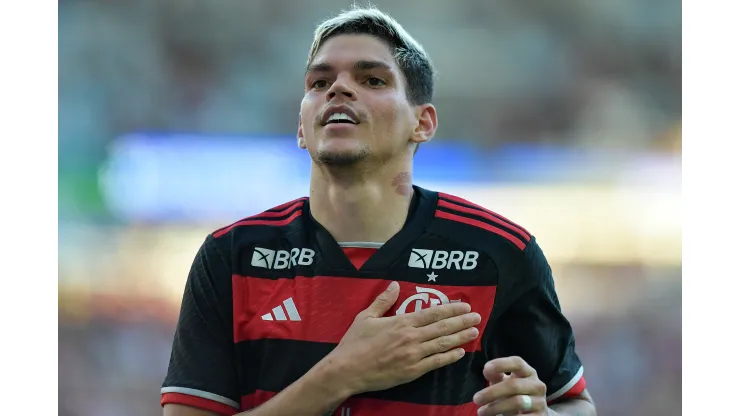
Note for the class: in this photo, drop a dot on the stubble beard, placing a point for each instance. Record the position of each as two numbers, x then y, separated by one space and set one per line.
345 159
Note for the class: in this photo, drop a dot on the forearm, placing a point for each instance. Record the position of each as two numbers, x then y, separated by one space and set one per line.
317 393
573 407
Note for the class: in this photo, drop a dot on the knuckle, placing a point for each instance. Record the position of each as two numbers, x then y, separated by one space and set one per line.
405 355
436 314
438 361
443 343
406 337
443 327
541 389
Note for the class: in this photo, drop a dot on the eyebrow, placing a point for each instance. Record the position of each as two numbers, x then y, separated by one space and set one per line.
358 66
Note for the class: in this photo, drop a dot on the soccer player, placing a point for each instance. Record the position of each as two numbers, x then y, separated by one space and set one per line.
372 296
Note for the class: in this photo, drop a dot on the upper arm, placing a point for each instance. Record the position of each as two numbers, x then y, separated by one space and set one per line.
202 371
534 328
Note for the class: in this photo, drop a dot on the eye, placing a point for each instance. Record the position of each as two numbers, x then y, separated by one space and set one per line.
375 82
319 84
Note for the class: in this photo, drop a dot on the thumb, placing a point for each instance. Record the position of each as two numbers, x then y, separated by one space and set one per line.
384 301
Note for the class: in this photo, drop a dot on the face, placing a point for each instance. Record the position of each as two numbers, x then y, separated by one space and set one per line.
356 76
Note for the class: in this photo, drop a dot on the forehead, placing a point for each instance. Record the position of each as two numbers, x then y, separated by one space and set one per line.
343 51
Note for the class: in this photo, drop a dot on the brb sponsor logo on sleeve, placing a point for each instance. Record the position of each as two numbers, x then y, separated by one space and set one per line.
282 259
441 259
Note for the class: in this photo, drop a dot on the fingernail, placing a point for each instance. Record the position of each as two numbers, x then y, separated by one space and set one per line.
476 398
393 286
474 332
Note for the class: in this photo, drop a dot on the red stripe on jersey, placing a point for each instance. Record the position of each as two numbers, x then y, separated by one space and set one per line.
256 220
250 401
359 255
466 202
321 309
273 214
576 390
486 215
267 214
360 406
198 403
281 206
480 224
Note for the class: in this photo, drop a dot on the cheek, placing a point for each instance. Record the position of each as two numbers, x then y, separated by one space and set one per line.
308 113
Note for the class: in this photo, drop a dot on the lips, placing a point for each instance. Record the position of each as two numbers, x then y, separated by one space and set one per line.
339 114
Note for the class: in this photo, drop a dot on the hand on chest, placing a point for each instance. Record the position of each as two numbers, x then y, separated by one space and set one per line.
320 307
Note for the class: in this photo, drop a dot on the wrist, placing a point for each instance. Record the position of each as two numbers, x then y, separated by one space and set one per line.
333 381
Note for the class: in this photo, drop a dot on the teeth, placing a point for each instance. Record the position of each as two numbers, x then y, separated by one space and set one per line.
340 116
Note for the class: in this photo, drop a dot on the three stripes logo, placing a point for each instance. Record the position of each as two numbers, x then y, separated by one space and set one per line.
343 411
456 209
279 314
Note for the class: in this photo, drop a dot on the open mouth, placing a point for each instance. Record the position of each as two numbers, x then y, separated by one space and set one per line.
340 118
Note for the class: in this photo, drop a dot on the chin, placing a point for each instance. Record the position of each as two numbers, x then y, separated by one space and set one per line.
341 157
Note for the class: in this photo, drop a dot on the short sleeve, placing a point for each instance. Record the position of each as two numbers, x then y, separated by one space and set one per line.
202 372
535 329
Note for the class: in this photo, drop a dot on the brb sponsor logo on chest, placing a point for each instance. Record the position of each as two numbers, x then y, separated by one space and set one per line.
282 259
441 259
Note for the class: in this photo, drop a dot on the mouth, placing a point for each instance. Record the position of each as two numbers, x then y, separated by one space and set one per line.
339 115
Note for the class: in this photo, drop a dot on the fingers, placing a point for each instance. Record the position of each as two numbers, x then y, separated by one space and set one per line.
448 342
439 360
383 302
449 326
513 406
514 365
437 313
497 378
510 387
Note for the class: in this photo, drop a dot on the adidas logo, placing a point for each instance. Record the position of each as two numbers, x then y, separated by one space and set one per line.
440 259
278 313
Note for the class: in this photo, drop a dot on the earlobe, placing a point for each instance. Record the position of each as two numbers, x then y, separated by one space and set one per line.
427 124
301 139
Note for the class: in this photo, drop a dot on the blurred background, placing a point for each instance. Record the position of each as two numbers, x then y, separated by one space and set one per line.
177 117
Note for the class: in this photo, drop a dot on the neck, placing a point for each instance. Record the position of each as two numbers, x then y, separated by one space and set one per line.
369 207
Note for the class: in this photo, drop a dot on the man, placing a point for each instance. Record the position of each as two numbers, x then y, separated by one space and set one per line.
462 316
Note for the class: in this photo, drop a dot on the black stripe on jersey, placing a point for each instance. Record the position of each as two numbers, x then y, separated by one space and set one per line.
285 361
512 226
513 231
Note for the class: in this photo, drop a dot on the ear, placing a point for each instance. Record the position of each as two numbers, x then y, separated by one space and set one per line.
426 116
301 139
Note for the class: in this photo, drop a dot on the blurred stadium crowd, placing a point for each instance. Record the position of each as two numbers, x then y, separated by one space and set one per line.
579 76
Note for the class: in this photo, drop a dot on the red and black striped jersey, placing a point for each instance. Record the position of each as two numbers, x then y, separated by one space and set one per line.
269 296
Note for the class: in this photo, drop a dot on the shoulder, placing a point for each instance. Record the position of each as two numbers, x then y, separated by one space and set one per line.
271 223
461 219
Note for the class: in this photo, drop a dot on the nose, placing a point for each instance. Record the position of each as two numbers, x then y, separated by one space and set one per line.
341 87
